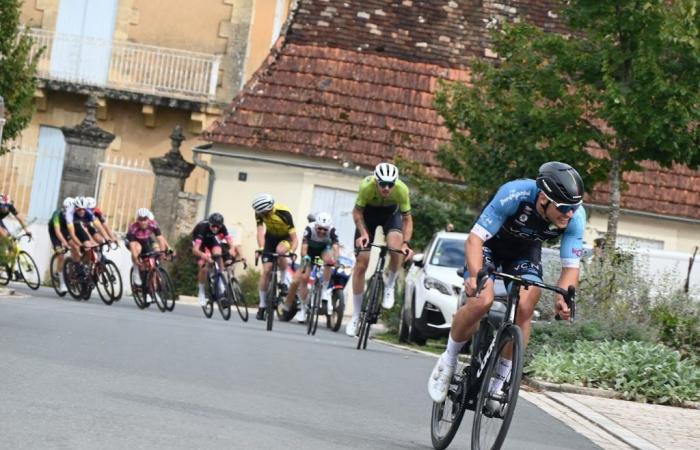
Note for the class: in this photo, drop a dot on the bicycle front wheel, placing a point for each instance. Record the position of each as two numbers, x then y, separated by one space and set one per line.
72 277
239 300
447 416
335 319
105 289
137 291
28 270
271 302
169 292
494 408
224 301
155 287
316 309
56 275
115 279
371 302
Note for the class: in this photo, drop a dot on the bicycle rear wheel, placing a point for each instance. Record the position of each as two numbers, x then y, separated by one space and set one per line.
447 416
29 270
105 288
494 411
115 279
374 291
137 291
238 299
55 277
169 287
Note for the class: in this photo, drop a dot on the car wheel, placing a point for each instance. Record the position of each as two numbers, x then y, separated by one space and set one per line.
414 335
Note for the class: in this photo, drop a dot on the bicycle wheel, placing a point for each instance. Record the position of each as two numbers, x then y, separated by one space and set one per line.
316 309
271 301
335 319
370 304
155 288
105 289
310 308
224 301
55 277
447 416
28 270
71 274
137 291
494 411
115 278
238 299
5 275
169 286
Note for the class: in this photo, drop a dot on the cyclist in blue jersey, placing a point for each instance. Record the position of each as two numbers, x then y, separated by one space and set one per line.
509 234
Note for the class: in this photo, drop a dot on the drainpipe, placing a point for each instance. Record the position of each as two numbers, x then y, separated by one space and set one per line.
197 159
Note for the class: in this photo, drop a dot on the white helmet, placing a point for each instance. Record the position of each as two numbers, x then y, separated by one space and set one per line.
324 220
144 212
263 203
68 202
80 202
386 172
91 202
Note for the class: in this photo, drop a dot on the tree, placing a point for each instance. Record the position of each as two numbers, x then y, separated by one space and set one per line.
622 88
17 71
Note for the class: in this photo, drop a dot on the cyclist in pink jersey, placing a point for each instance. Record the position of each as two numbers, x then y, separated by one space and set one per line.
144 236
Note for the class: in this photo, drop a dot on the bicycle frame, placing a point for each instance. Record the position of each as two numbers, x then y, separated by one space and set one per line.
272 288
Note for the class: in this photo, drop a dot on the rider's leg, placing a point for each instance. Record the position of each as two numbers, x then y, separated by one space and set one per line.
327 290
304 294
283 248
394 239
358 282
264 283
135 249
201 280
293 286
217 256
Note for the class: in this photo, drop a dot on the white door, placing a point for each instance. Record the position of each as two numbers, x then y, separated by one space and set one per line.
339 203
83 44
47 173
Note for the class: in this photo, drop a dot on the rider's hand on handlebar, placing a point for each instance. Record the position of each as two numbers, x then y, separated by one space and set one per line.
561 309
362 241
408 251
470 286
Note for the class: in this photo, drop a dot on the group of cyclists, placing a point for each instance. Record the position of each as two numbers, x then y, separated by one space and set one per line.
508 234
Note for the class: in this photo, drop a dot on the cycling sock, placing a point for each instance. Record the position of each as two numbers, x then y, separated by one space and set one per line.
356 305
201 288
262 303
502 373
137 275
452 352
391 279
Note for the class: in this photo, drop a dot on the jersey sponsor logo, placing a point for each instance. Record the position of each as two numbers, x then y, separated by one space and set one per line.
514 195
523 218
577 251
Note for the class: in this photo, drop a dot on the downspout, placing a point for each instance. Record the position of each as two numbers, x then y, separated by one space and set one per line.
197 159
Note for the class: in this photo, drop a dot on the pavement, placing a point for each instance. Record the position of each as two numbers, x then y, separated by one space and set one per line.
608 422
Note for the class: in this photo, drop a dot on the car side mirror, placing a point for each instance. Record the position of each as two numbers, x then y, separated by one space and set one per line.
418 259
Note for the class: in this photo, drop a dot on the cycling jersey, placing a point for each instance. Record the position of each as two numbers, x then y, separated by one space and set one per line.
4 212
202 234
71 216
278 223
99 215
318 243
139 234
368 195
511 218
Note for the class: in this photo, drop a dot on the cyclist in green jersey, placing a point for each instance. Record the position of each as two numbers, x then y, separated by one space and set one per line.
382 201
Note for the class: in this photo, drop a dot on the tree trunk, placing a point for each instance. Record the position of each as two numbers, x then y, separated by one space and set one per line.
614 213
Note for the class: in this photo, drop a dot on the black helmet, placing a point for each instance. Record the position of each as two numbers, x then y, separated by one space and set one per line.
216 219
560 183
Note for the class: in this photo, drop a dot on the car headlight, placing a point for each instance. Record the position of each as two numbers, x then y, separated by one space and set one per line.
433 283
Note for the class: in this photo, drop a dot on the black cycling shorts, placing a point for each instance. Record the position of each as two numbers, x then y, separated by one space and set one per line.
515 257
55 241
387 217
271 243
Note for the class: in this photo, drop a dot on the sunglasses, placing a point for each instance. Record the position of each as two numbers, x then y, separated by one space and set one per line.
565 208
142 219
386 184
325 230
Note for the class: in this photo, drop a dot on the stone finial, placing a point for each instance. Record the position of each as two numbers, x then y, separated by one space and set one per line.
90 119
173 164
87 132
176 138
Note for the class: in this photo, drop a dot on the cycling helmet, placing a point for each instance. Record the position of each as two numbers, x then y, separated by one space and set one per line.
386 172
324 220
311 218
80 202
263 203
144 212
68 202
91 202
561 183
216 219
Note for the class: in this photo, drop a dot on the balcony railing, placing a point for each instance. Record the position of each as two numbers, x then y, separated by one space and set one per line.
127 66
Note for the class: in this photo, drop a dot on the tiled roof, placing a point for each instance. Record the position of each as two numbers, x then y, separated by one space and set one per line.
354 81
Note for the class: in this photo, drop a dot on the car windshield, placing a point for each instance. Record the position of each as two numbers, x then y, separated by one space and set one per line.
448 253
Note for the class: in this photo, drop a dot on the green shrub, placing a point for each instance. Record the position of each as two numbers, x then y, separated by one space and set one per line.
183 269
638 370
249 285
4 246
677 319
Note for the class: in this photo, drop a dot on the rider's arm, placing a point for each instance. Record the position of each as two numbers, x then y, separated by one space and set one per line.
473 249
295 241
359 219
57 230
304 249
100 228
570 252
261 235
110 234
336 252
407 227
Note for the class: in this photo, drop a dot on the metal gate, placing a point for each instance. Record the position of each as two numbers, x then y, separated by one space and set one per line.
123 185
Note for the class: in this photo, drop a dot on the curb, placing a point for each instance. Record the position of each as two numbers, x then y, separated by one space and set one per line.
6 292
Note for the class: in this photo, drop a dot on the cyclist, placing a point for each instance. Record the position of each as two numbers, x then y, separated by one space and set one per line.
78 212
144 236
7 208
509 234
275 234
207 238
99 215
383 200
320 240
61 239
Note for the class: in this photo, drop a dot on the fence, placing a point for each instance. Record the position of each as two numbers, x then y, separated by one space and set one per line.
123 186
16 175
127 66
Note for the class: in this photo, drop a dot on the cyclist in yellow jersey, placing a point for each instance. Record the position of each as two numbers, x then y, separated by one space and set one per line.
382 200
275 234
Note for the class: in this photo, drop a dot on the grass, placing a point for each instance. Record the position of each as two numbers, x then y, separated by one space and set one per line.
436 346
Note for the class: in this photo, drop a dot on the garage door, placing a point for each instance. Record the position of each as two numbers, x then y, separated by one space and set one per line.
339 203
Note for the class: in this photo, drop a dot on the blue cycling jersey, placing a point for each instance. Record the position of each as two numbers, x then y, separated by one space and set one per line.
512 214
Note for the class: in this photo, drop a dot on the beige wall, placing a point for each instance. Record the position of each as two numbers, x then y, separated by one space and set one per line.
261 32
30 15
677 236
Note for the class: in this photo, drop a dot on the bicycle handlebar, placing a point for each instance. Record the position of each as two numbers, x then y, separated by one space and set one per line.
258 255
381 246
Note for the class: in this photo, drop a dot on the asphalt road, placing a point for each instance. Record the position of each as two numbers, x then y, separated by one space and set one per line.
85 375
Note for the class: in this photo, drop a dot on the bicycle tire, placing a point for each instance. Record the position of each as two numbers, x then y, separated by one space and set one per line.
335 319
155 283
270 306
239 299
171 298
225 310
455 404
481 429
5 275
55 279
310 308
137 292
369 301
27 268
316 310
115 278
70 274
105 289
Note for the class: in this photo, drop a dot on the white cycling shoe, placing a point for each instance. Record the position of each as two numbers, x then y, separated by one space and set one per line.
202 299
439 381
388 300
351 327
301 315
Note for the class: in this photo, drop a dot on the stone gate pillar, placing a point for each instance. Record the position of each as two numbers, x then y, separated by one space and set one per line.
85 150
171 172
